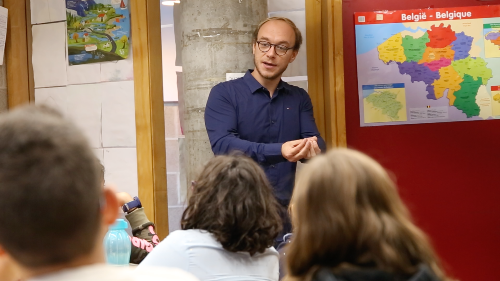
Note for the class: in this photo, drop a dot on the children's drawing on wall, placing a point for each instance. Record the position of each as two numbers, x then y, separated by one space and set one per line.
98 30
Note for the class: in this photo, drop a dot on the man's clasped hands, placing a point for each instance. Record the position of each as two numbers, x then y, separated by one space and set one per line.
297 150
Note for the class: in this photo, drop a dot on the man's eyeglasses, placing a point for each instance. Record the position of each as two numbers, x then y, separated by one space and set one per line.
280 50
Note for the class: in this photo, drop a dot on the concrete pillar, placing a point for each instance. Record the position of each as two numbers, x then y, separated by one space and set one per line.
216 39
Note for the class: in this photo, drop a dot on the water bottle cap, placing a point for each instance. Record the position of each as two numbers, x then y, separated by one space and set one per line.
119 224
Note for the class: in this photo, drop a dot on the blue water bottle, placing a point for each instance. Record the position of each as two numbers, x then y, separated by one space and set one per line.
117 244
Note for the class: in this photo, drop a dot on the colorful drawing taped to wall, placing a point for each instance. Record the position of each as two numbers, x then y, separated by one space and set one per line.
98 30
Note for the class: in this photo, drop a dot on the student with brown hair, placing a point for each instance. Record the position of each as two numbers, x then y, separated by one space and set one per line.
350 224
229 225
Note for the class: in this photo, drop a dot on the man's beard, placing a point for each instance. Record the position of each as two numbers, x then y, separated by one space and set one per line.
269 77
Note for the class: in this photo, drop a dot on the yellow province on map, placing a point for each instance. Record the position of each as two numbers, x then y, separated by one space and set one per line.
384 105
391 50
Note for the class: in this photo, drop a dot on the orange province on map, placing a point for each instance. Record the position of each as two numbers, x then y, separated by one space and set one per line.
449 79
435 58
496 41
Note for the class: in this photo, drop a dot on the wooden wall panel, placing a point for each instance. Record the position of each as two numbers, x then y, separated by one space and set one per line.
17 56
325 68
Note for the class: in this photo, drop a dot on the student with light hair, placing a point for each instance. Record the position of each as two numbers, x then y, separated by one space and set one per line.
350 224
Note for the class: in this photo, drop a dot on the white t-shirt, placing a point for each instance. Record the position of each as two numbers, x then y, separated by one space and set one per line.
198 252
102 272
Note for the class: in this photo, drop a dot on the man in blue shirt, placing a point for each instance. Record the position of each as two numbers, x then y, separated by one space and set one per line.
264 117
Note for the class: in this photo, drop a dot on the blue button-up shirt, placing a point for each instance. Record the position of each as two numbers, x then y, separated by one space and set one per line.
241 115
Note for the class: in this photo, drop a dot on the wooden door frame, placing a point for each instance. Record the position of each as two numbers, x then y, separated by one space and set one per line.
149 111
20 83
325 68
148 81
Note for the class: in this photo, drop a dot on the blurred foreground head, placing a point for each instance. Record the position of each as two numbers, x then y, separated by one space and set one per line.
347 214
49 189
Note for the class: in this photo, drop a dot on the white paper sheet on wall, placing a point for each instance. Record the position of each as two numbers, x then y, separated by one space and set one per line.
39 11
121 169
43 11
232 76
118 114
3 32
285 5
56 97
84 74
122 70
49 55
84 108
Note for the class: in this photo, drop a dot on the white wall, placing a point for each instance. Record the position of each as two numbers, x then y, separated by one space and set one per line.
168 46
295 10
99 98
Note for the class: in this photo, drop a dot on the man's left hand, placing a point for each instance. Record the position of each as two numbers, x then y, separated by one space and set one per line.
314 148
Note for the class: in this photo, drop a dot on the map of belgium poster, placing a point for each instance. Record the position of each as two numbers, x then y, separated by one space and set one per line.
429 65
98 30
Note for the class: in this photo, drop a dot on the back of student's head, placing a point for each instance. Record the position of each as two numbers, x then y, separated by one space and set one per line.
233 200
346 211
49 188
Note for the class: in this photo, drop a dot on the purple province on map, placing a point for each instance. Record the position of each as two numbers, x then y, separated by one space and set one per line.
441 59
420 72
461 46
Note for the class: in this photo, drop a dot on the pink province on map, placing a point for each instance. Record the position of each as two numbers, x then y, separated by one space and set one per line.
438 64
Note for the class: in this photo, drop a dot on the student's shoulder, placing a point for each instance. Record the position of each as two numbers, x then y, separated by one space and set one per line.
105 272
162 274
188 236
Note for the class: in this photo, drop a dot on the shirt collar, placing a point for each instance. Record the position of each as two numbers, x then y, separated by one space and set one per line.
254 85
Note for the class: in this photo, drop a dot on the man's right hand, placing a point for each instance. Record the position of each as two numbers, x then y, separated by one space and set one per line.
295 150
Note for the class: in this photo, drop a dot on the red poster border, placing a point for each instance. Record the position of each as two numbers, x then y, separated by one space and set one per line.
431 14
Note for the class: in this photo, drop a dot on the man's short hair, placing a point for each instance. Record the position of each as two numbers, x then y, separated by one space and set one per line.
49 188
298 34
